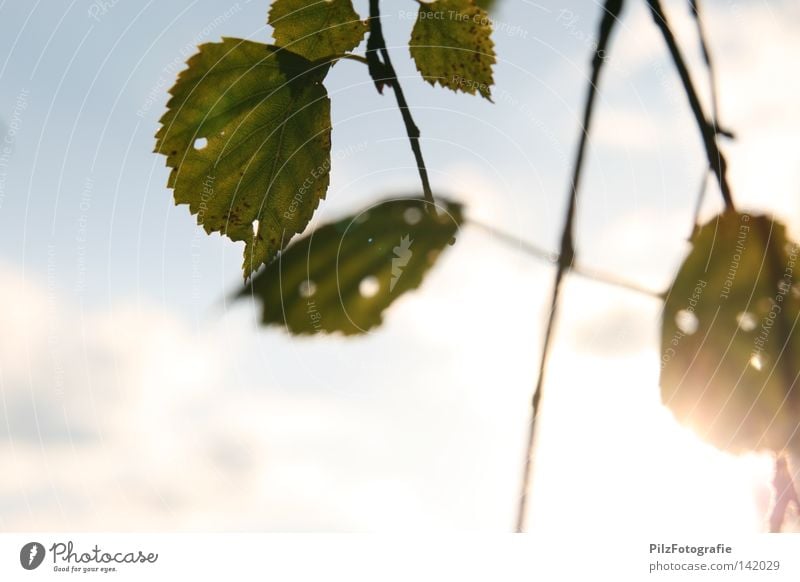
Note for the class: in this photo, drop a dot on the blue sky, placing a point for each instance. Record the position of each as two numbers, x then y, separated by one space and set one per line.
136 397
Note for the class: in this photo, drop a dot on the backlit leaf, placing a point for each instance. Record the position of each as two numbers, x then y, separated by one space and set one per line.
451 45
316 28
247 135
344 275
730 343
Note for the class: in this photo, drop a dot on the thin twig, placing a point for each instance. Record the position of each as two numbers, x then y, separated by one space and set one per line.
698 205
383 73
552 258
785 494
515 242
708 132
694 8
615 281
611 12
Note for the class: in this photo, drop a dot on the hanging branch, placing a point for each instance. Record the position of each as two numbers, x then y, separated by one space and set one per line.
785 493
708 132
383 73
611 12
694 7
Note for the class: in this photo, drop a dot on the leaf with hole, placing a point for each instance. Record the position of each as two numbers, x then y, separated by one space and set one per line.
730 340
247 134
344 275
451 44
316 29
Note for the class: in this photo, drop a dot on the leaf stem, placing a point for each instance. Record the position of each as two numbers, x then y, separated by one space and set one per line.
349 57
611 11
708 132
383 73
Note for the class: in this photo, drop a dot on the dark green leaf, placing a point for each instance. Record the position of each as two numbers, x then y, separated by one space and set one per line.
342 276
247 135
316 29
731 339
451 45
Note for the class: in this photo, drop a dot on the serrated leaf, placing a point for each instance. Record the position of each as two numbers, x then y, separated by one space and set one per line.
451 44
247 135
316 29
730 339
344 275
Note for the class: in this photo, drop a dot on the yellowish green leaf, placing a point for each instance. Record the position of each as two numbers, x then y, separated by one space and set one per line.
451 44
247 135
316 28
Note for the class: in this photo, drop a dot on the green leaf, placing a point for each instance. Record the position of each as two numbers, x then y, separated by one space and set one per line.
247 135
451 45
344 275
316 29
730 342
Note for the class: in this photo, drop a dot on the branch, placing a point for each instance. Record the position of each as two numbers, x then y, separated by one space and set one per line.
694 6
611 11
383 73
716 160
550 257
785 493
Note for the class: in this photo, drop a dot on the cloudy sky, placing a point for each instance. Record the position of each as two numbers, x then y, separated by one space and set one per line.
135 396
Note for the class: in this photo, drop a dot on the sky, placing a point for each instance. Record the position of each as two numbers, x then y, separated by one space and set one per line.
135 396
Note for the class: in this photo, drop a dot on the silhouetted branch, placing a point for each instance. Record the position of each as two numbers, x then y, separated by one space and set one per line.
611 12
694 7
708 132
383 73
785 493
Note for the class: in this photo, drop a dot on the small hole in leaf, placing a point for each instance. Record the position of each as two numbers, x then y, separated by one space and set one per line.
412 216
747 321
200 143
757 362
255 228
686 321
369 287
307 289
